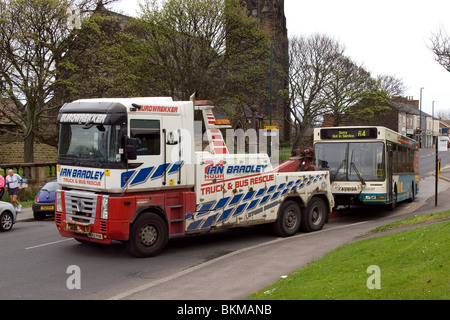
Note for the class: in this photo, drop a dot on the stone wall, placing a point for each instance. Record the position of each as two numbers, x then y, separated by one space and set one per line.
12 152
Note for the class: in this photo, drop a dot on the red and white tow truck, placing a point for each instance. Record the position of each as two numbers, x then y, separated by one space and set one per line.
129 172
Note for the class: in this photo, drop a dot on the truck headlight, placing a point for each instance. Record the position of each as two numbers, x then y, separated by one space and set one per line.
58 200
104 210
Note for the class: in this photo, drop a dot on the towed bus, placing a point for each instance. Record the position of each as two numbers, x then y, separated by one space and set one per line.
368 165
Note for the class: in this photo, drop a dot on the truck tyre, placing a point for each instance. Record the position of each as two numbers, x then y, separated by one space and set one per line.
314 216
148 236
288 221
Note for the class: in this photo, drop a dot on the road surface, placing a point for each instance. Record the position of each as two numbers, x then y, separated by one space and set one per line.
37 263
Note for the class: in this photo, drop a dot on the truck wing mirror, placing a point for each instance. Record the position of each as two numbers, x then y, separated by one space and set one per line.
172 138
131 148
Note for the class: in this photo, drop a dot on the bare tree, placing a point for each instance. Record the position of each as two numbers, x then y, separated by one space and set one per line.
312 60
440 46
392 85
345 87
443 114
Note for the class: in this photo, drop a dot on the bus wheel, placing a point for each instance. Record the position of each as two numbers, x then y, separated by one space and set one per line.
413 192
288 221
315 215
393 204
148 236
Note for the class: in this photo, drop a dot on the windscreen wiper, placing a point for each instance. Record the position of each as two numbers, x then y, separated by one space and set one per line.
358 173
337 170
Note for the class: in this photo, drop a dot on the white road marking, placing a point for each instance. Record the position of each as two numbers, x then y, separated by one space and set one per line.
48 244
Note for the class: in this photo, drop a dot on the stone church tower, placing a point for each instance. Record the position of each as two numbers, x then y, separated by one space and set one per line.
273 20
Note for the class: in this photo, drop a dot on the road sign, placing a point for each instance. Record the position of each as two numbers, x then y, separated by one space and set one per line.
443 144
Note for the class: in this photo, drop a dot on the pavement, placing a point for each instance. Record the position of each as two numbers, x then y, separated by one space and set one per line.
25 215
237 275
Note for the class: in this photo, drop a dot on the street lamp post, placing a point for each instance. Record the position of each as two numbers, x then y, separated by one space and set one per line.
271 81
421 132
271 94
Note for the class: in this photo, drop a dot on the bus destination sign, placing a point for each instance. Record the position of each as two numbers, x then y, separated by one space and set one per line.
348 133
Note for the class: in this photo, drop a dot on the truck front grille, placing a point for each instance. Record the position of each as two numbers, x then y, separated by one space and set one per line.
81 205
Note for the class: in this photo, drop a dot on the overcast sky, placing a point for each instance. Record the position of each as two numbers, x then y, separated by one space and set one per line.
386 36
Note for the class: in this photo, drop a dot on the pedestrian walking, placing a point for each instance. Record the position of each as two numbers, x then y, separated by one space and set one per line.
2 186
14 184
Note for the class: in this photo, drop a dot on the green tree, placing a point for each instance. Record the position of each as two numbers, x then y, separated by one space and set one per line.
209 46
372 105
99 61
34 40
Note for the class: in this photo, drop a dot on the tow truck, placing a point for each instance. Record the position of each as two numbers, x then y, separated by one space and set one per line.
129 172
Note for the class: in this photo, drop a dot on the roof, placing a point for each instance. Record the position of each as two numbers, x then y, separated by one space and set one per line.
406 108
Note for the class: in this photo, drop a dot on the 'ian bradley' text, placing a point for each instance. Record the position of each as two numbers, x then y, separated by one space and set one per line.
82 174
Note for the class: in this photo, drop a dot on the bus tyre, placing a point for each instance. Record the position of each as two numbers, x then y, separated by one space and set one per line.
289 217
391 206
413 193
148 236
314 216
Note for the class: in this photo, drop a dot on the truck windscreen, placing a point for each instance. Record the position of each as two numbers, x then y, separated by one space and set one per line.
96 143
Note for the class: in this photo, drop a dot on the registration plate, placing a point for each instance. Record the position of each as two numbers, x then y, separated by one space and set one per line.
95 236
47 208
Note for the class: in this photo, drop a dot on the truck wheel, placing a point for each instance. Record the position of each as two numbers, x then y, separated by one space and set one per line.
288 221
315 215
148 236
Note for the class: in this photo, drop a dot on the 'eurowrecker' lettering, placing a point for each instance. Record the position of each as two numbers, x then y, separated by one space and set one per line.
83 118
159 109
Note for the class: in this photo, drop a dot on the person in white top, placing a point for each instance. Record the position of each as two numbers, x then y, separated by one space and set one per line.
14 183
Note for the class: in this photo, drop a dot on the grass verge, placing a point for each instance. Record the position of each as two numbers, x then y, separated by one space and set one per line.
414 265
412 221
